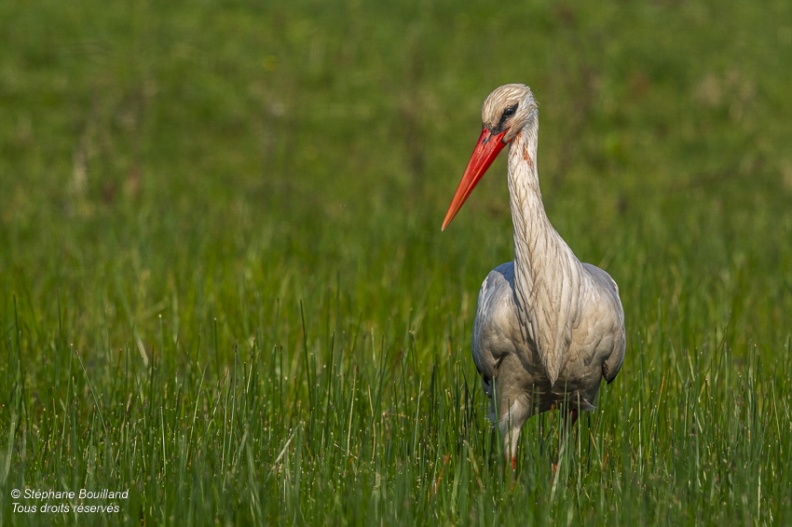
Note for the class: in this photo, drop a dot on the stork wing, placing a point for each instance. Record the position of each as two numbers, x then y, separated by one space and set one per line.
611 310
496 329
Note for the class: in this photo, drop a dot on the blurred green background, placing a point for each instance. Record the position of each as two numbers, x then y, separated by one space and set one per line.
312 143
181 180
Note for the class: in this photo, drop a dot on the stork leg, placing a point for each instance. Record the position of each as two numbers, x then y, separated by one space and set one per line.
567 424
511 434
572 417
510 425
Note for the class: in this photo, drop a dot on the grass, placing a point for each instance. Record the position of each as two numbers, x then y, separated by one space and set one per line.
223 285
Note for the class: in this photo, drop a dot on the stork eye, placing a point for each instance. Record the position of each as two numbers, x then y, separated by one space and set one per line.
507 114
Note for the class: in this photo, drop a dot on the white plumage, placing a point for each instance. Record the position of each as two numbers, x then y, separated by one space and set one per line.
548 328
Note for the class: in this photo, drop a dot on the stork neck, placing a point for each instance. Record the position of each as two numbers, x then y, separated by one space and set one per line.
540 254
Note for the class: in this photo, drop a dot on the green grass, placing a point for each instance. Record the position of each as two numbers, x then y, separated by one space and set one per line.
223 286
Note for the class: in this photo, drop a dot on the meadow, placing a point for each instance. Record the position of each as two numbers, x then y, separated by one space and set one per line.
224 289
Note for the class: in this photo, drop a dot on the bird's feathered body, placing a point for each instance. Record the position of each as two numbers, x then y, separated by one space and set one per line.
548 328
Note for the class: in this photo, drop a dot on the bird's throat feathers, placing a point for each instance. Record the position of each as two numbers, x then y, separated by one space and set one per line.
547 274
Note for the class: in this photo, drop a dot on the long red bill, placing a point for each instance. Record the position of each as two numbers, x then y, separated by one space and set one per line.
484 154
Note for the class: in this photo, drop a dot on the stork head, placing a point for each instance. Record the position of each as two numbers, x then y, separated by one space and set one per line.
505 112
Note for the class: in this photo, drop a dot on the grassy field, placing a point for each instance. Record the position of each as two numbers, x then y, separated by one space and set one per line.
224 289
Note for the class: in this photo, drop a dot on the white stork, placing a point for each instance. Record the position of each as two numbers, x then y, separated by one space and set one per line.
548 328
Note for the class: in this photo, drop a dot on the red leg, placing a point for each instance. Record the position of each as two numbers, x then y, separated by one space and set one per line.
573 416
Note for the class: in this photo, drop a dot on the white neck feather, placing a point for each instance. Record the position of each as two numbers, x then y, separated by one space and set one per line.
547 273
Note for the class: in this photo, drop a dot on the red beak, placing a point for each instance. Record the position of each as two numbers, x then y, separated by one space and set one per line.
484 154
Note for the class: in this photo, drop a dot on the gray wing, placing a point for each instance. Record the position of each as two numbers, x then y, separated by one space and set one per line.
613 314
496 328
